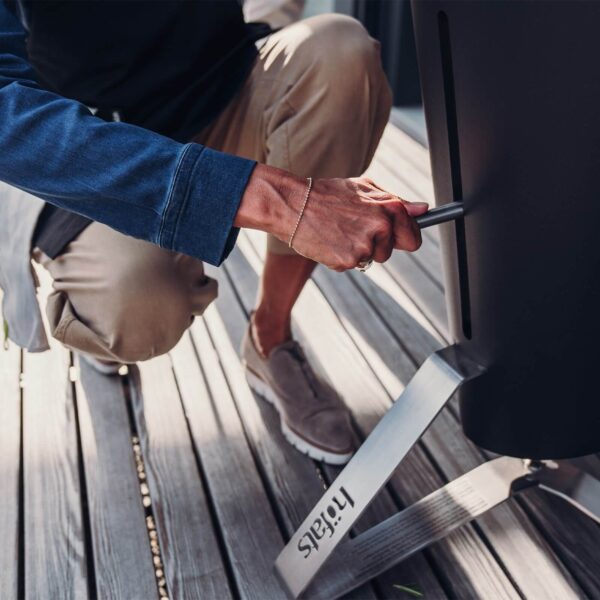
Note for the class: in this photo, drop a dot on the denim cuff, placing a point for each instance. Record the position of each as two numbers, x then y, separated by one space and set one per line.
202 204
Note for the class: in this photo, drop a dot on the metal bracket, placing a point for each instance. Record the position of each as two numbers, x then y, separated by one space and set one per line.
359 559
565 480
421 524
372 465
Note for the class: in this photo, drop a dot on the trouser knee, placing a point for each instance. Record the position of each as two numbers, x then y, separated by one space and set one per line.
349 60
136 329
121 299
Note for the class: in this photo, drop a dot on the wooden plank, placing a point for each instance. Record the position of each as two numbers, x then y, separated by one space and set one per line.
404 146
121 548
247 524
293 480
403 170
428 258
55 562
10 442
400 314
193 564
400 169
404 312
220 363
324 339
573 536
397 312
422 289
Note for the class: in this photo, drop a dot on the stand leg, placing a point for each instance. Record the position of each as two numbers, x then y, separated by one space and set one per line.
421 524
570 483
356 486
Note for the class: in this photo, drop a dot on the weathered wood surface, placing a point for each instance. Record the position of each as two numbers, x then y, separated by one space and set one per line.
226 489
307 484
247 524
10 448
55 561
121 553
193 564
293 480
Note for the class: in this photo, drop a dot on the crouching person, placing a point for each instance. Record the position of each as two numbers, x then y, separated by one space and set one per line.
142 158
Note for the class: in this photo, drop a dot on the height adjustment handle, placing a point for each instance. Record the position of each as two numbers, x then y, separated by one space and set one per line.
441 214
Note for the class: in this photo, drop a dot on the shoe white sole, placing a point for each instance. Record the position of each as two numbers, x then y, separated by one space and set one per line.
316 453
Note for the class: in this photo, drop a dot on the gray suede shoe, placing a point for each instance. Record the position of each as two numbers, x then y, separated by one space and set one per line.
314 418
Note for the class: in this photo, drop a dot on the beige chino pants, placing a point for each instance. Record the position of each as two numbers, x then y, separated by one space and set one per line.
315 103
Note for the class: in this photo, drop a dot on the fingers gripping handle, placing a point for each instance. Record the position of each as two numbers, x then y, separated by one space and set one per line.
441 214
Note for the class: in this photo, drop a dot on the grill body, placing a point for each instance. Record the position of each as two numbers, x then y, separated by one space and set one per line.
512 100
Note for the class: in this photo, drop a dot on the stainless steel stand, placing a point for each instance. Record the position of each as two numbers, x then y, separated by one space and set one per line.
570 483
426 521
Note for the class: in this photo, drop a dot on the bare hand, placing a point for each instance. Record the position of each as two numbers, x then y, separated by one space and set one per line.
346 221
349 221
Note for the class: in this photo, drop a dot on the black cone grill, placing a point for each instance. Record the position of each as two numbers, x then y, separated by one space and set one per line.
512 100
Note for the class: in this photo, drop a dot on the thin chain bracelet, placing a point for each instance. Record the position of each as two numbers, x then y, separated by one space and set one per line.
301 213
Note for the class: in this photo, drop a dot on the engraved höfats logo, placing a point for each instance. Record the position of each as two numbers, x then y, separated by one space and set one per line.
325 523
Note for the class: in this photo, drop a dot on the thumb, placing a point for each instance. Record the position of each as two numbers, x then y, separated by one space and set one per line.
414 209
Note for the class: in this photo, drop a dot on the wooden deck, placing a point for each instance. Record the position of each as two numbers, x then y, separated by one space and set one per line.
175 481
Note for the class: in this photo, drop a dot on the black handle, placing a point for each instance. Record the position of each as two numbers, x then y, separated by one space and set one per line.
441 214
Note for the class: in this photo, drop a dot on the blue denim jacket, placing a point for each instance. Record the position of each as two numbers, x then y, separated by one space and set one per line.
183 197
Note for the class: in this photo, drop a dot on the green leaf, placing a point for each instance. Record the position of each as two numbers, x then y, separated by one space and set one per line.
5 334
411 590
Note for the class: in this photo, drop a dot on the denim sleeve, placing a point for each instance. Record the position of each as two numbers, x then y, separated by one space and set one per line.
183 197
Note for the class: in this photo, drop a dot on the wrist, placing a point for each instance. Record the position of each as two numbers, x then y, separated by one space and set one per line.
271 201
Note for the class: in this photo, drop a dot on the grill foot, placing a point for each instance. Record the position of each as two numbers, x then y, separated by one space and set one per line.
308 565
